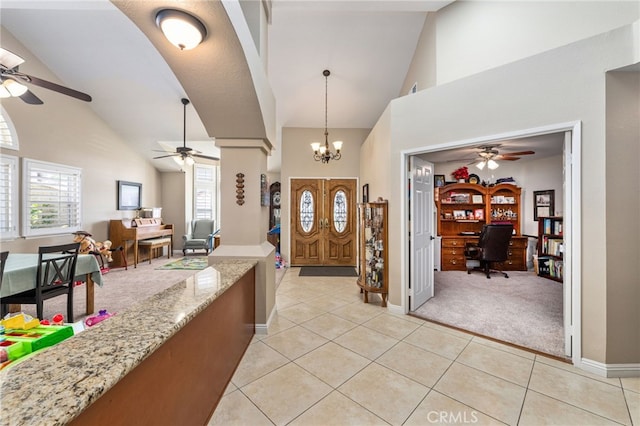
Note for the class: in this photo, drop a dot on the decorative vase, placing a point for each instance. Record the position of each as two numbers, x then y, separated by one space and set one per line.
461 181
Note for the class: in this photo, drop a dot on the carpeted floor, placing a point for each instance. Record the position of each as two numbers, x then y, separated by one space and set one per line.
523 309
328 271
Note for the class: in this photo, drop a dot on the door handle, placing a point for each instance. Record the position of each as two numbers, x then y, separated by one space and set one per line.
431 237
326 223
320 223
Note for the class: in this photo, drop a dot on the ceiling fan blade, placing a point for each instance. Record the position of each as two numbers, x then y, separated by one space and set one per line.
206 157
506 158
52 86
30 98
164 156
510 154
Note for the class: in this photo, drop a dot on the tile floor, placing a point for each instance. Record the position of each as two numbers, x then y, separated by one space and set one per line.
330 359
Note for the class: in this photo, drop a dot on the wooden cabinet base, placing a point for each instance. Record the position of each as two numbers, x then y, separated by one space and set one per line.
182 382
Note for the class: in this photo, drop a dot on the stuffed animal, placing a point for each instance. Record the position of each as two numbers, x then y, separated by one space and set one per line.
89 245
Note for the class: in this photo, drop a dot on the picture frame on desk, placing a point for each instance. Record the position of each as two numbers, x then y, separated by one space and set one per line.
543 203
129 195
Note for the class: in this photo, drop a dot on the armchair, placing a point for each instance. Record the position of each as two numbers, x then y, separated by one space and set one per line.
492 247
200 236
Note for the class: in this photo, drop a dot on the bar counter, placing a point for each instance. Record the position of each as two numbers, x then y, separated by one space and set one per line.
152 347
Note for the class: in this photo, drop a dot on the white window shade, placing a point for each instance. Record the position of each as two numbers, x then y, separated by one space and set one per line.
52 198
8 136
206 192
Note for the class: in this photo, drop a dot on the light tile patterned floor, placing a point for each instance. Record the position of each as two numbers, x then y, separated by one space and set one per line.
330 359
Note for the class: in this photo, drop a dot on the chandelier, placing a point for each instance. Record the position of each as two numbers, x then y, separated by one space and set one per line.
323 153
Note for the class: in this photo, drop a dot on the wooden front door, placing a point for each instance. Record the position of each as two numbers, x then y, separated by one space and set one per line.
323 222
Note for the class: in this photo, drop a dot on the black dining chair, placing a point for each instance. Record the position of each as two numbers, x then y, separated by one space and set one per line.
54 277
3 262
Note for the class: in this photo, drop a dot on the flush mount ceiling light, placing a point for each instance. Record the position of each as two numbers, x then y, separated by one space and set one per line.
323 153
183 30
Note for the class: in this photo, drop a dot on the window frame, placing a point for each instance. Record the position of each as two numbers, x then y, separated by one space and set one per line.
213 186
27 229
14 196
14 145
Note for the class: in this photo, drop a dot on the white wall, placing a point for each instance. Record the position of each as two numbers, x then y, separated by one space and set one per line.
473 36
559 86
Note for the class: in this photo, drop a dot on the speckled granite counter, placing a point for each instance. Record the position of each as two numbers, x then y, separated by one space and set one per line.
58 384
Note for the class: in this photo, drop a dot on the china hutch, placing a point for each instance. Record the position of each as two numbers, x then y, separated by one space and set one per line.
463 209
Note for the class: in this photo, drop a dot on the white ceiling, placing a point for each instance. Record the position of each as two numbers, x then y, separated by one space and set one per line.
93 47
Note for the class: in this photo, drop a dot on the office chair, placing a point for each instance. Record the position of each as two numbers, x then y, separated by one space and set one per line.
492 247
54 277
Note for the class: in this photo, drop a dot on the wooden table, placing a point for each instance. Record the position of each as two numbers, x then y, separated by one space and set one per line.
21 269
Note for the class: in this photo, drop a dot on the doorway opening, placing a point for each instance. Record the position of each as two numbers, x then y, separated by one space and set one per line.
570 288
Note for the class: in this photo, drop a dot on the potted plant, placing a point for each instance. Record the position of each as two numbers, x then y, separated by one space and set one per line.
461 174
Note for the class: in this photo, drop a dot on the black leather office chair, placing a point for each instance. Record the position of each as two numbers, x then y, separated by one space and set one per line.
55 277
492 247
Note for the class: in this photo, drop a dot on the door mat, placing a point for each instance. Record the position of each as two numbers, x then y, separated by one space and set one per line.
328 271
194 263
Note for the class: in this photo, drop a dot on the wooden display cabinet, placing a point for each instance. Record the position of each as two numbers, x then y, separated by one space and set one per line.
374 254
550 248
464 208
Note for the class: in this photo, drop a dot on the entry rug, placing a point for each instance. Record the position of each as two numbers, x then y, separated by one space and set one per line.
328 271
195 263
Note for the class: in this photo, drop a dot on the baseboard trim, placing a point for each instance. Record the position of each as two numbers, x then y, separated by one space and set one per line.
610 370
395 309
263 329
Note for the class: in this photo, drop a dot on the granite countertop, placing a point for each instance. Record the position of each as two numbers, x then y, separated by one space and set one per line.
57 384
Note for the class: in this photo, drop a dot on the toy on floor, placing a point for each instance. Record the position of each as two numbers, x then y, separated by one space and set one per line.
102 315
90 246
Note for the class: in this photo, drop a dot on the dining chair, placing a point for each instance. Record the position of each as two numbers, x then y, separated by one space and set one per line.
3 261
54 277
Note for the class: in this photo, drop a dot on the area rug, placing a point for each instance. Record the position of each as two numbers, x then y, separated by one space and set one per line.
328 271
193 263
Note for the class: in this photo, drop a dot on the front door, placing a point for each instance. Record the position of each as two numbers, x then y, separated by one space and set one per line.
323 222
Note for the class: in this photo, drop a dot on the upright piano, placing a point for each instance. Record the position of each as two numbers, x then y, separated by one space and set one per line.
127 233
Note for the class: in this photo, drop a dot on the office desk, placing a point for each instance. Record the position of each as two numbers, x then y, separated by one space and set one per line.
21 269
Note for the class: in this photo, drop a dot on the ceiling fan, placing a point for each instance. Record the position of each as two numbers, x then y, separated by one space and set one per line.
12 81
489 155
186 154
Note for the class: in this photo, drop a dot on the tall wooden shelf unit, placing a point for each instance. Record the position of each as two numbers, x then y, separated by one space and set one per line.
374 253
464 208
550 248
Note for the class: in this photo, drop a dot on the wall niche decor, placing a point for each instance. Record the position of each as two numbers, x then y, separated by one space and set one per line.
239 189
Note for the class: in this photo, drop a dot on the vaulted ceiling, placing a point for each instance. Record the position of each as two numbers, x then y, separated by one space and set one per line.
114 52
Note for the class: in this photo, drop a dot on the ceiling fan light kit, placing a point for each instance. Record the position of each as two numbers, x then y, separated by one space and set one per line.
183 30
323 152
11 88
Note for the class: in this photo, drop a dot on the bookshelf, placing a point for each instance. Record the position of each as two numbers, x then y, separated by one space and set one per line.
550 248
464 208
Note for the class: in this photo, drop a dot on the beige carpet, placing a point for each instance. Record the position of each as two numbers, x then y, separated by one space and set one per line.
523 309
122 289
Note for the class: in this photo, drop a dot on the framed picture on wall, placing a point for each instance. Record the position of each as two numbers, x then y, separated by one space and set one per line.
129 195
543 203
365 193
438 181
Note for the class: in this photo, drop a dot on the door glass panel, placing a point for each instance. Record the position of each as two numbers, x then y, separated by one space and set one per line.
340 211
306 210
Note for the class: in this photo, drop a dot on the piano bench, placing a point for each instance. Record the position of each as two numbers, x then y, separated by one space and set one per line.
154 244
